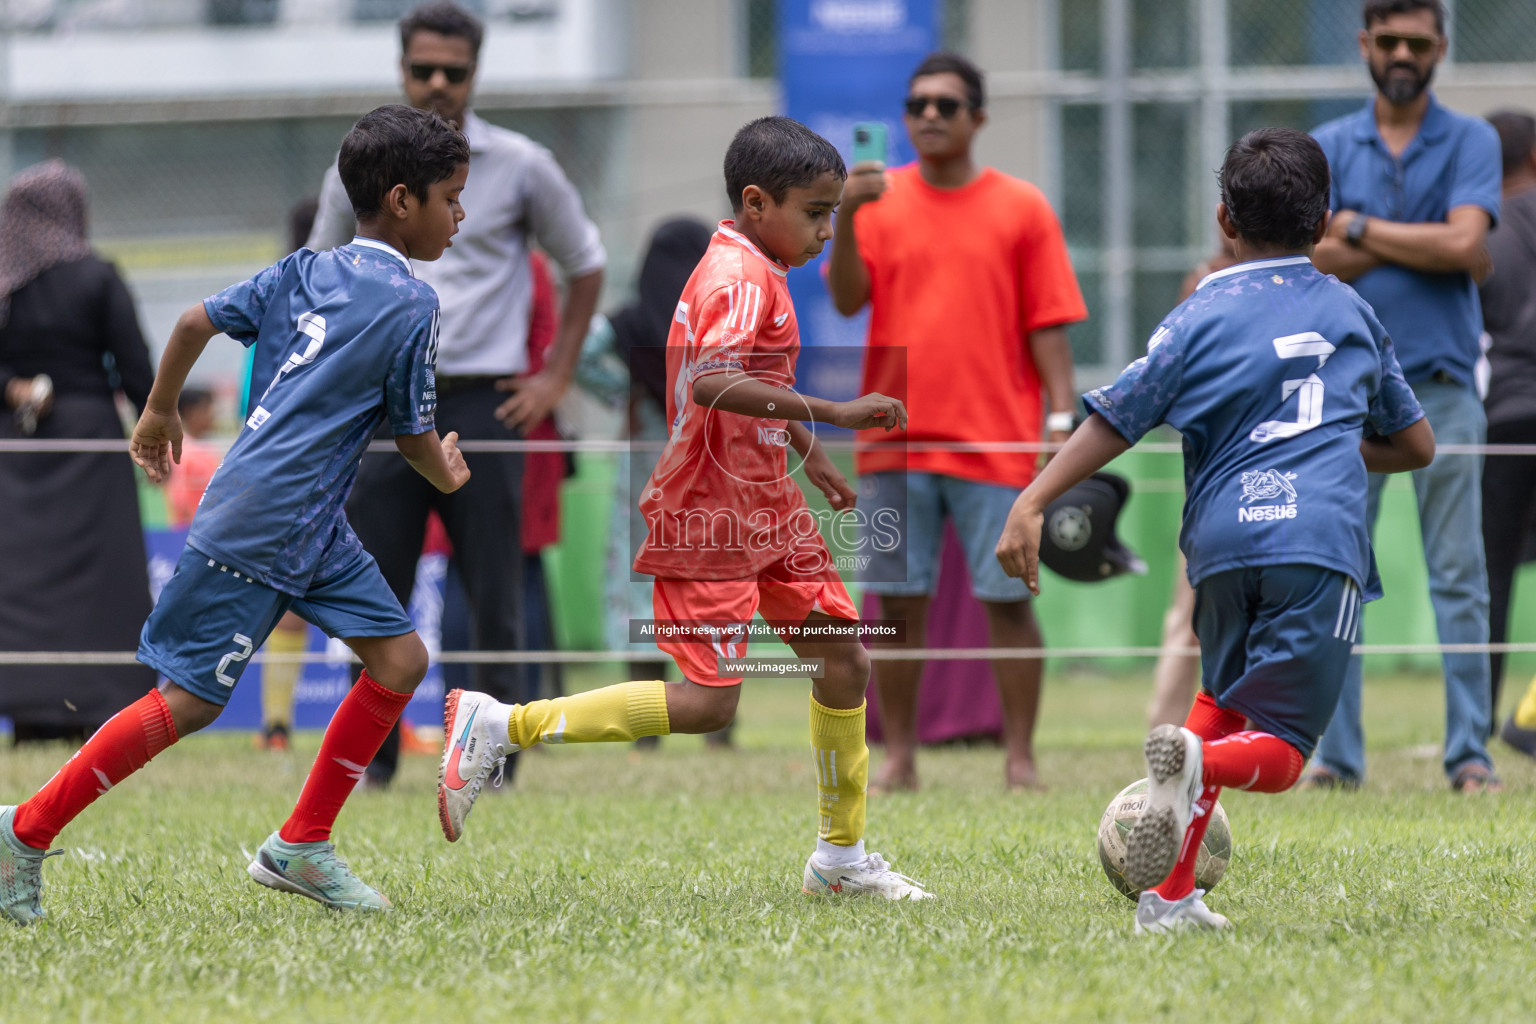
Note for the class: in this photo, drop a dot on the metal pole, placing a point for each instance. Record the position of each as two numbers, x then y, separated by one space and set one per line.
1115 43
1048 138
1215 120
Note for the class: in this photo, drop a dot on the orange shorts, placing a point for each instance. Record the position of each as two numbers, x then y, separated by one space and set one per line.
780 595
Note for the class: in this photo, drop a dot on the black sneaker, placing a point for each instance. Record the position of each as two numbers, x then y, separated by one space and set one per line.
1523 740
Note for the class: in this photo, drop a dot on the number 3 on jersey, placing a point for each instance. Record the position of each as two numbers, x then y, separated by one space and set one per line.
1308 389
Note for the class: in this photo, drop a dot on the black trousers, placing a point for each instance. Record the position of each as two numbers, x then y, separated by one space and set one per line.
1509 503
388 509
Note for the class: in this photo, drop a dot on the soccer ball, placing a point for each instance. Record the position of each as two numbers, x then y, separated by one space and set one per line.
1121 816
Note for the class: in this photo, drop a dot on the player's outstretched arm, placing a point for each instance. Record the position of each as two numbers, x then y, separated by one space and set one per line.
1091 447
745 395
1402 452
440 461
820 470
156 439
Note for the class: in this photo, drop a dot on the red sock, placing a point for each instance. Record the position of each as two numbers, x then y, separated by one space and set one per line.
117 750
1211 722
1181 880
1252 760
356 732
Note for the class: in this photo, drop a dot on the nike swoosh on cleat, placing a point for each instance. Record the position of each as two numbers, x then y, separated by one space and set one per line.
451 778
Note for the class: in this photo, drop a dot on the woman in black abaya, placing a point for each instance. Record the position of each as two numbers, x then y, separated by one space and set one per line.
73 575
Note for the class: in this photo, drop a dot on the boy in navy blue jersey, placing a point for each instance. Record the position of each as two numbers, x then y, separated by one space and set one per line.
1287 392
348 339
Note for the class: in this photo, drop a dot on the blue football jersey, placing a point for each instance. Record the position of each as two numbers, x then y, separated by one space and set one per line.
344 339
1273 372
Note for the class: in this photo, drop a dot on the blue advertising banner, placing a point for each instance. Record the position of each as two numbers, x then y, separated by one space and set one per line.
842 62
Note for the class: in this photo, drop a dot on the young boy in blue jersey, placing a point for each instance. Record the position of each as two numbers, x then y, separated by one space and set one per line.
345 339
1287 392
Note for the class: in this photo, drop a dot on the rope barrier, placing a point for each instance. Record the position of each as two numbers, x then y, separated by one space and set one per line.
875 654
66 445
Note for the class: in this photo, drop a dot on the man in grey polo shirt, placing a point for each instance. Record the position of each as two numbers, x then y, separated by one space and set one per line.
516 194
1415 190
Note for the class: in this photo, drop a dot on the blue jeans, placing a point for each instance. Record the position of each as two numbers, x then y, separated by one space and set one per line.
921 502
1449 496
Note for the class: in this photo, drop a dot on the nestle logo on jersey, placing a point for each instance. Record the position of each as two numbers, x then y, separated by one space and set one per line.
1267 485
1266 513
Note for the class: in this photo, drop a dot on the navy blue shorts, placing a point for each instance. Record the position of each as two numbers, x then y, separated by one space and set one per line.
1275 643
210 618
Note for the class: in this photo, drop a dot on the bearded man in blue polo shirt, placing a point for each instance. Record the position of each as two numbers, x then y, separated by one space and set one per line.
1415 190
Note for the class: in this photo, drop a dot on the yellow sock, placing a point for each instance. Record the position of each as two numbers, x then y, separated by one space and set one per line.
1525 714
625 711
842 771
279 678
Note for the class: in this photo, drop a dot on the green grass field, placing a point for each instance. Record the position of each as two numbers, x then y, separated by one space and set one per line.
618 886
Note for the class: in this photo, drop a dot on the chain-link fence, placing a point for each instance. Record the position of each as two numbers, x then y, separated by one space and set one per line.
1150 92
1139 98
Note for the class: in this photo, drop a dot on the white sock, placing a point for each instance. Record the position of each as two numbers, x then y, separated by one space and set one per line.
499 717
839 856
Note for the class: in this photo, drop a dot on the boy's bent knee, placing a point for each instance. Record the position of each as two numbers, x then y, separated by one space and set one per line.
396 663
847 662
189 712
845 678
696 708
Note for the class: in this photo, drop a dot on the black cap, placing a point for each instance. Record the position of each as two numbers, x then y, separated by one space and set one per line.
1078 538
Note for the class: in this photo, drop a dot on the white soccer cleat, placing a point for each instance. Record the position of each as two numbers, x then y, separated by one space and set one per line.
1173 785
870 875
1155 914
473 748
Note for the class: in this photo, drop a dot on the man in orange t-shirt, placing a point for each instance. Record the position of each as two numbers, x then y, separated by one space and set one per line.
970 290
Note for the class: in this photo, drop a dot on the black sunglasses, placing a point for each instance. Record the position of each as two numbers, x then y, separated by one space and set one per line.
455 73
1419 46
947 106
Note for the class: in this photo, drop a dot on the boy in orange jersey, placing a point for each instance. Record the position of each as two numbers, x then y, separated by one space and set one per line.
729 533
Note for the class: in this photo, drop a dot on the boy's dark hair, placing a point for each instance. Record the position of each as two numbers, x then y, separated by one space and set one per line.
444 18
954 64
777 154
1274 182
1517 137
1381 10
191 398
397 145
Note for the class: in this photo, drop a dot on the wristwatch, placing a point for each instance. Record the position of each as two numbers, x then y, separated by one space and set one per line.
1354 234
1060 421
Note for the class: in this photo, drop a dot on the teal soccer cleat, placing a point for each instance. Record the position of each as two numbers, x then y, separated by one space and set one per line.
314 871
21 873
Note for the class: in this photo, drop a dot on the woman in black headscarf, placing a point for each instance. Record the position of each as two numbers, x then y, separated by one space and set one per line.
73 575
